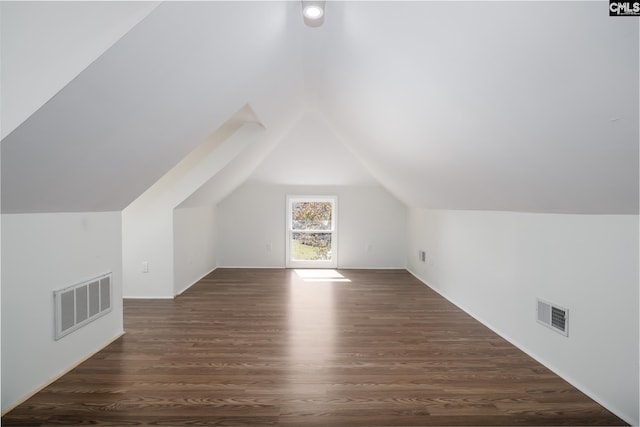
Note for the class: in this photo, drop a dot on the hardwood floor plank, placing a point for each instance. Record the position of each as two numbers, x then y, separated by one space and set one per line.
264 347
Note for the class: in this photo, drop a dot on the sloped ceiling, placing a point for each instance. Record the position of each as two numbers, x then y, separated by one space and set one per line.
47 44
311 154
148 101
523 106
526 106
308 153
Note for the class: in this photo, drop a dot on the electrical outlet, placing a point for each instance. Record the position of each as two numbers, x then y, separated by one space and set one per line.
145 266
422 256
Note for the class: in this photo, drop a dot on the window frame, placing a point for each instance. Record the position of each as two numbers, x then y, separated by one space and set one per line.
331 263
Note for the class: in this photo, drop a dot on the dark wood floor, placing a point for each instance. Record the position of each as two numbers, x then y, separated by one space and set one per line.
265 347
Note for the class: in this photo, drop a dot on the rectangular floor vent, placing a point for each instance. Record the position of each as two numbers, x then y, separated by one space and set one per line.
77 305
553 317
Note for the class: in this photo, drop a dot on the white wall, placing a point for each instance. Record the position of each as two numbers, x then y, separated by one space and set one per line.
147 237
147 223
41 253
194 245
253 217
495 264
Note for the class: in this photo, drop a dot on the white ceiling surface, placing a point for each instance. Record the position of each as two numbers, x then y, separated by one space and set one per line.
46 44
523 106
311 154
306 153
147 102
500 105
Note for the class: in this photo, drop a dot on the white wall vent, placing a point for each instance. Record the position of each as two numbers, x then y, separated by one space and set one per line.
553 317
77 305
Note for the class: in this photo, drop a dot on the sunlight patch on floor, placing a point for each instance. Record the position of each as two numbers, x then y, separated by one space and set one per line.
320 275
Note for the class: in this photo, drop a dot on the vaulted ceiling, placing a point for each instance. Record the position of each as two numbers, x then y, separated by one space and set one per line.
522 106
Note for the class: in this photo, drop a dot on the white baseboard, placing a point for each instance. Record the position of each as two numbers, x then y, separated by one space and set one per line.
274 267
60 375
369 267
533 355
146 297
339 267
196 281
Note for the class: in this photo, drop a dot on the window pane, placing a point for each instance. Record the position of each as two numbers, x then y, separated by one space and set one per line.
311 246
311 215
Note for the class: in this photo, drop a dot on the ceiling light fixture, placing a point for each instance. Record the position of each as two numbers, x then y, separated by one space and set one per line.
313 12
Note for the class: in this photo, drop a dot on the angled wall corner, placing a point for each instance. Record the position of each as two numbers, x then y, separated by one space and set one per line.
194 245
148 222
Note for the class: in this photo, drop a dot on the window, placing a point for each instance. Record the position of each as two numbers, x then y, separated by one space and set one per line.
311 231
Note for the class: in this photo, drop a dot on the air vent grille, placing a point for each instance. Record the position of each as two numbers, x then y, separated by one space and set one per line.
553 317
558 318
77 305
